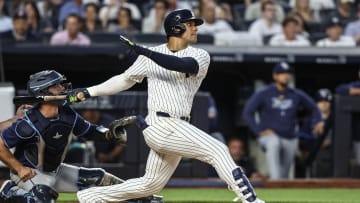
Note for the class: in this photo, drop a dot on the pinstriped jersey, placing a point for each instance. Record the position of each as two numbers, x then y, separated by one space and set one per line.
170 91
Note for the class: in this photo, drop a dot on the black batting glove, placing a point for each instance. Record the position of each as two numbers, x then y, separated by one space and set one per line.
78 95
138 49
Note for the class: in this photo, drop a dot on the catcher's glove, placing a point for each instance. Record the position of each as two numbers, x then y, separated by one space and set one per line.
117 131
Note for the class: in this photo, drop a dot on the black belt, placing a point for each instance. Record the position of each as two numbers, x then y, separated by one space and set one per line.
163 114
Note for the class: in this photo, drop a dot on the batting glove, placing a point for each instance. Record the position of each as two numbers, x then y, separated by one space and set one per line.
78 95
138 49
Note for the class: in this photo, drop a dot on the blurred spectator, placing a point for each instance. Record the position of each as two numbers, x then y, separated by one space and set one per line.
222 11
211 24
353 89
290 36
302 28
5 21
110 11
353 28
303 8
91 22
267 24
174 5
49 11
20 30
154 23
123 25
335 37
71 7
237 152
277 105
105 151
253 11
317 5
225 12
71 35
35 23
344 11
235 2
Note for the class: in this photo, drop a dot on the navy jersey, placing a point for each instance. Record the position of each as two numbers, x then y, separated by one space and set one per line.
278 110
42 142
344 89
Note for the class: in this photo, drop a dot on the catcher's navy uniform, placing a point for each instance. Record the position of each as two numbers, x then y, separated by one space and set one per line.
40 142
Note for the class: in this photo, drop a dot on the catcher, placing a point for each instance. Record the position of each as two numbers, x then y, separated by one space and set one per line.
41 139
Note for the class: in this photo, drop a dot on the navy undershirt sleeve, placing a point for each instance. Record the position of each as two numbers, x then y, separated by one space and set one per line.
179 64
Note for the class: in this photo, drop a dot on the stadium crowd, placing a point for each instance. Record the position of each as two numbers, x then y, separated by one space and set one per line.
321 23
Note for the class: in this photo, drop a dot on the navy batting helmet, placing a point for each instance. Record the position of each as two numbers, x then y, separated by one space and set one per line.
173 23
40 81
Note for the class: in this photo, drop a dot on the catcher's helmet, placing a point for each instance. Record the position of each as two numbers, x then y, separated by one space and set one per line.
39 82
173 23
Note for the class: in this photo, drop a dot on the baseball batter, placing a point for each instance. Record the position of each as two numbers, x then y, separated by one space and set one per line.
174 73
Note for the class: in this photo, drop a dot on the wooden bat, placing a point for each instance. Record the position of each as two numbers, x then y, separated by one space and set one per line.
33 99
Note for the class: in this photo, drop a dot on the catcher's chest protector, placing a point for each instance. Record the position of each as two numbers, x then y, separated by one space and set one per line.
54 136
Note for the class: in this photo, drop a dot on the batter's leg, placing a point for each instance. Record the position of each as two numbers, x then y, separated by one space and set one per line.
188 141
159 168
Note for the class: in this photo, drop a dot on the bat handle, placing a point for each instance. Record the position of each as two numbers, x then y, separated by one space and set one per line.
80 96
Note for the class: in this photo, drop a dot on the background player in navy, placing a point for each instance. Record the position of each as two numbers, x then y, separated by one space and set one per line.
353 89
41 139
277 105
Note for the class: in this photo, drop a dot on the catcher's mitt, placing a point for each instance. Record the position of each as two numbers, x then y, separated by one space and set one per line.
117 129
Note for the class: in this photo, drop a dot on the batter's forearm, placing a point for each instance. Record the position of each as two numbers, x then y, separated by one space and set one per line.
112 86
8 158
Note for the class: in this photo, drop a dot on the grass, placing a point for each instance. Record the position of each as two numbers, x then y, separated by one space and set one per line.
205 195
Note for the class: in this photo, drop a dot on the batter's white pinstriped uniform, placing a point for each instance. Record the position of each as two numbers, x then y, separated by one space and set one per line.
169 138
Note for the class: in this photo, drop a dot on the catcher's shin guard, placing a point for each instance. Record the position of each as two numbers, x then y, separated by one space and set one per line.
110 179
89 177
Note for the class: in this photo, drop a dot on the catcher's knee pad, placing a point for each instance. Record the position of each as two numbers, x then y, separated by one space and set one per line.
44 194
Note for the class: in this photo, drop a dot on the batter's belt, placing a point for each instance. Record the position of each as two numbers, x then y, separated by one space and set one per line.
164 114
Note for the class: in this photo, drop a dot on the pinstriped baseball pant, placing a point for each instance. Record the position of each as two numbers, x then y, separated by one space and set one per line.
169 140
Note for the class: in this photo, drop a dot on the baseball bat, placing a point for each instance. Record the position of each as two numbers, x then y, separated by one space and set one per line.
33 99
